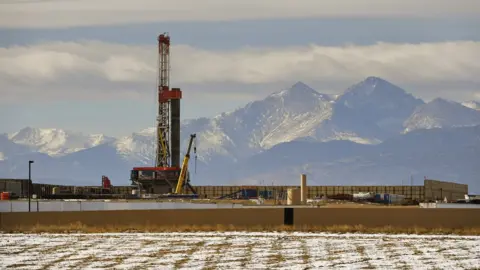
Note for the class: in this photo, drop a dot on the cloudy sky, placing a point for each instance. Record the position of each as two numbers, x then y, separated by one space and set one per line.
90 65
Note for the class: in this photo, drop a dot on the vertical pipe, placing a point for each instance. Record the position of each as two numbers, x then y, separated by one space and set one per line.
29 182
175 131
303 187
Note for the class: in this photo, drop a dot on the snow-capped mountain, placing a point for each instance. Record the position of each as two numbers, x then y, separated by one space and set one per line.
374 109
440 113
472 104
56 142
367 113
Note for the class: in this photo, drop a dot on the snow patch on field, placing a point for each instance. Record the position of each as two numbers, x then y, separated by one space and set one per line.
237 250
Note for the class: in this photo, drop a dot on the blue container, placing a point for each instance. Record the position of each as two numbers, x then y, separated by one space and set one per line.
249 193
387 198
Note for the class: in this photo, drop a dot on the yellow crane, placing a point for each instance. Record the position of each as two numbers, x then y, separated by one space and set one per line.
184 169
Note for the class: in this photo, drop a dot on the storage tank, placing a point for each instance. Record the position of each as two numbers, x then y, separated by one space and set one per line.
363 196
293 196
303 188
135 192
5 196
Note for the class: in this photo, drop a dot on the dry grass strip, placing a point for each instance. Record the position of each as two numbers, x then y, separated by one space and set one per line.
82 228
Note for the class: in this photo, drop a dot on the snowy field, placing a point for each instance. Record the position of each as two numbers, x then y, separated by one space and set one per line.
237 250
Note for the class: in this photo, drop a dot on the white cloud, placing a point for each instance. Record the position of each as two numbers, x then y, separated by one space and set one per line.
94 69
68 13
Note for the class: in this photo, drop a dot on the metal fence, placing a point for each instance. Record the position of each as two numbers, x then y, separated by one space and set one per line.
55 206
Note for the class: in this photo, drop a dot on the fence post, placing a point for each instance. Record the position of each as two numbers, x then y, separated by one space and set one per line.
38 206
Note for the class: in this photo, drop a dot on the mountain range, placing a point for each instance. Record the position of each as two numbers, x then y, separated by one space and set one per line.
373 133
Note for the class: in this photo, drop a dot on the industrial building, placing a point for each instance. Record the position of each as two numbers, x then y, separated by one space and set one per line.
432 190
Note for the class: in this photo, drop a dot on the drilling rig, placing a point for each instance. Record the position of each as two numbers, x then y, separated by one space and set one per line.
164 177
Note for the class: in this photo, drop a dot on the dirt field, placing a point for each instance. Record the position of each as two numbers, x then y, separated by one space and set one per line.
238 250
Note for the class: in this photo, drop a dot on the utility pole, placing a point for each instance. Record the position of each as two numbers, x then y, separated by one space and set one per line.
29 182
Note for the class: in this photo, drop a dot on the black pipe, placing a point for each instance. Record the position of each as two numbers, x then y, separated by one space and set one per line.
29 182
288 216
175 131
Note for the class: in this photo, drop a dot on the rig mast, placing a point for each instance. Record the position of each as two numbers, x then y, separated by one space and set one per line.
163 118
168 119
